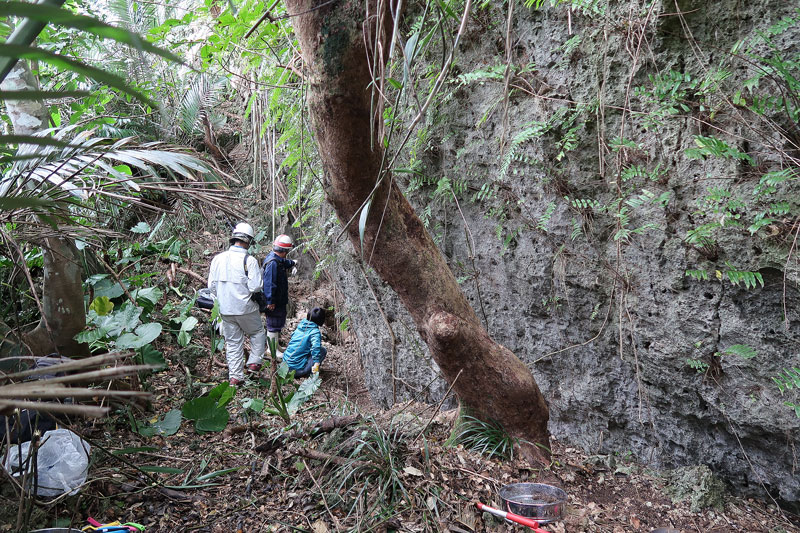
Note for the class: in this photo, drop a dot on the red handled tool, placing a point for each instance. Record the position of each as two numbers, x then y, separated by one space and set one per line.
530 522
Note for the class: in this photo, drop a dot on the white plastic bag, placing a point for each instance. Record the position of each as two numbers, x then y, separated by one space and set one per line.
62 462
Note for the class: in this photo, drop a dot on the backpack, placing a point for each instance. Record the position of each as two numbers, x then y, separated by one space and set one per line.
205 300
257 297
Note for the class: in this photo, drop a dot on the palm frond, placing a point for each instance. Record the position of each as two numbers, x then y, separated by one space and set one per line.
74 190
79 67
121 169
203 94
46 13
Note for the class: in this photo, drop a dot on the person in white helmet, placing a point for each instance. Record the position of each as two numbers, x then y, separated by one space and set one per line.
276 285
234 278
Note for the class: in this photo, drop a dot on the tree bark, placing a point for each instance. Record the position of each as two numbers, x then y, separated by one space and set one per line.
494 383
27 116
63 313
63 310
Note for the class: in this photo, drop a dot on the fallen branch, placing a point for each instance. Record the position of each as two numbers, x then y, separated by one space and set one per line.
45 391
67 366
235 430
90 411
191 274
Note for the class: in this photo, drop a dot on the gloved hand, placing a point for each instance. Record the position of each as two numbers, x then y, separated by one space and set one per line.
294 271
315 368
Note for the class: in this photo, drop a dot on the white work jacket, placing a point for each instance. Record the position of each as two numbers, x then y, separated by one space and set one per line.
232 286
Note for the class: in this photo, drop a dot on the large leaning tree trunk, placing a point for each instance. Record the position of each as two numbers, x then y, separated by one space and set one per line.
63 314
489 379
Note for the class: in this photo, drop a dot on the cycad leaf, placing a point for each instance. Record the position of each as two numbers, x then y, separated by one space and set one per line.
34 140
63 17
202 95
112 80
51 180
41 95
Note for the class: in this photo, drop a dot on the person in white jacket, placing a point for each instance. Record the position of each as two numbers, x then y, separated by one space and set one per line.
234 277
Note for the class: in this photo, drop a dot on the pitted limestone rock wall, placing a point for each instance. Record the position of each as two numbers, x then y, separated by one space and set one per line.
607 325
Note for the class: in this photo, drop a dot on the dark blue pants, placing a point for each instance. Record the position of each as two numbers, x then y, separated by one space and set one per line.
306 370
276 318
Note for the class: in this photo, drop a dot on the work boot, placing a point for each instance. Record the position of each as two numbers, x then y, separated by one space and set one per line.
276 335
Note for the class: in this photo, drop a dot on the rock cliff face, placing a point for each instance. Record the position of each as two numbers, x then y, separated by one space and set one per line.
598 229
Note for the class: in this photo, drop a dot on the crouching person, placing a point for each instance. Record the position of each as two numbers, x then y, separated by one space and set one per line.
233 278
305 352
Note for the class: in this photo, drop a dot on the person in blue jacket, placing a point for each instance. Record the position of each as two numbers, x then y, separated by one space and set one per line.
276 286
305 351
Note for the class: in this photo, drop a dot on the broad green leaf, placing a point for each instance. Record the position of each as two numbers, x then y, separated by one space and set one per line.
304 392
126 170
214 420
55 117
220 390
254 404
147 297
101 305
128 316
92 280
141 227
150 356
209 411
197 408
90 336
184 337
215 311
108 287
167 426
410 53
283 370
145 334
189 323
226 395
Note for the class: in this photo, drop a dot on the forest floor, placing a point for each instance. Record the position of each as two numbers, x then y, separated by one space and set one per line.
380 470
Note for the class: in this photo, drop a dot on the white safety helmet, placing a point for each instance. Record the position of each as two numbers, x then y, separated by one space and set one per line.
283 243
242 232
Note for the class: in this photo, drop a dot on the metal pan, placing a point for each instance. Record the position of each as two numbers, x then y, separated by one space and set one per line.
544 503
